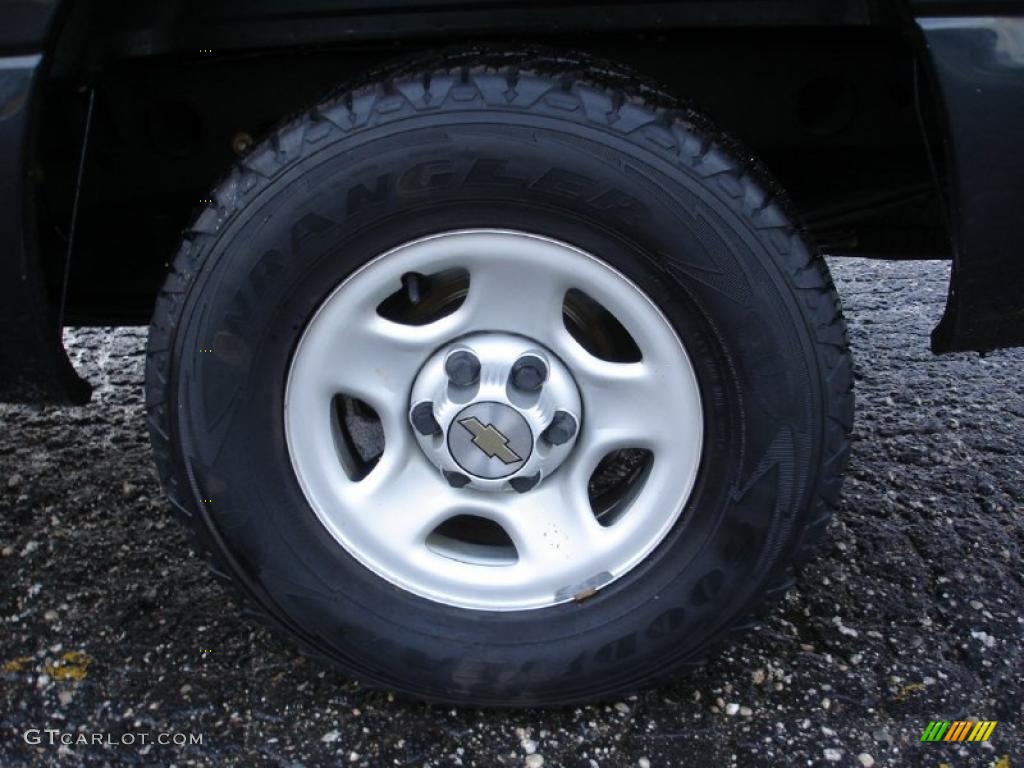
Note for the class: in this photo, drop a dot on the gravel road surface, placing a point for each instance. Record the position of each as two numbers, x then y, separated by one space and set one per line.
911 612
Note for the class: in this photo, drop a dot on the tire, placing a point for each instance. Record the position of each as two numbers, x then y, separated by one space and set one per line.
575 156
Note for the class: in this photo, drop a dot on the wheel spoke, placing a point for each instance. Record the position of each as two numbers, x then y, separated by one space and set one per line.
373 359
623 401
553 528
400 502
625 406
508 295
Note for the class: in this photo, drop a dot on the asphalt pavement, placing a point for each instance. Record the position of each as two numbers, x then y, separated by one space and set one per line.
913 610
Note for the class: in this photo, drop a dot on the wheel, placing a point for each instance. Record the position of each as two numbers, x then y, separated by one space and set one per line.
500 384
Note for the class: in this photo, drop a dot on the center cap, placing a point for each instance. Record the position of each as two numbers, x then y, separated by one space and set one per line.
495 412
490 440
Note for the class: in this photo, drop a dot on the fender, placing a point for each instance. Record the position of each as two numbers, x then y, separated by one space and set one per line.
978 63
33 364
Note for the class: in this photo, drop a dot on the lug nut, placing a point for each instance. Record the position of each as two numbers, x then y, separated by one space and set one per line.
529 373
422 418
523 484
463 368
561 429
455 479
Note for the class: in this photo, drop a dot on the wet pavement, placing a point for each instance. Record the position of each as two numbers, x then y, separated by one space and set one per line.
913 611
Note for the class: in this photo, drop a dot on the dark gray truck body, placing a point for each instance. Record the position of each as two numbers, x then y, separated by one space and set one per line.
895 127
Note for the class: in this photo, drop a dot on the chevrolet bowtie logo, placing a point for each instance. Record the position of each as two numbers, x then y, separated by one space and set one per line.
490 440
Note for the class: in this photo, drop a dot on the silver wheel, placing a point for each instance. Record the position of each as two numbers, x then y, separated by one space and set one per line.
496 447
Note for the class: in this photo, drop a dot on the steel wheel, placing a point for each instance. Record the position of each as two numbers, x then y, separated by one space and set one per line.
389 519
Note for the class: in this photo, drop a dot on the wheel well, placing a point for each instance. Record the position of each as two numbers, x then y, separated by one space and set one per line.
831 106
